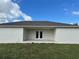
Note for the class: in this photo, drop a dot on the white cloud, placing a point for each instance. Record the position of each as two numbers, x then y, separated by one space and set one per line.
3 17
11 10
26 17
75 13
16 20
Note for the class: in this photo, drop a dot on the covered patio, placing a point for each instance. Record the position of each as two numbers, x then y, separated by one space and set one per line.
38 34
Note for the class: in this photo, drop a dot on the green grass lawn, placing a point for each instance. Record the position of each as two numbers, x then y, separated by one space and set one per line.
39 51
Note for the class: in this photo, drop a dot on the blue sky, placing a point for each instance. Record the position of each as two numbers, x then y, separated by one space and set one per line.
52 10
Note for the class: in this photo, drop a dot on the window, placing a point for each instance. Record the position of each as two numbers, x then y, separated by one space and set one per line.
39 34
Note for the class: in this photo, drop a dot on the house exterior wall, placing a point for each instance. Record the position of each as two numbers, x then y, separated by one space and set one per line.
58 35
67 35
47 35
25 34
11 35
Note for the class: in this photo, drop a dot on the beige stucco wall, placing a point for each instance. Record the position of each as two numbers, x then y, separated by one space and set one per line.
11 35
47 34
67 35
